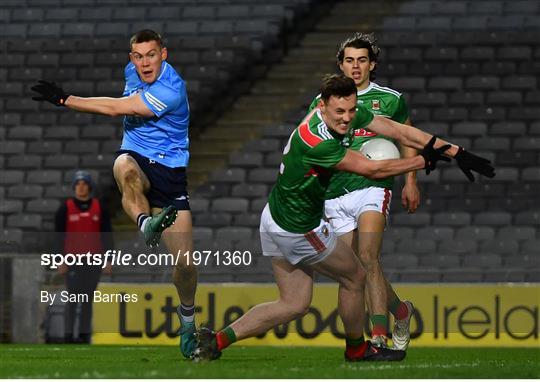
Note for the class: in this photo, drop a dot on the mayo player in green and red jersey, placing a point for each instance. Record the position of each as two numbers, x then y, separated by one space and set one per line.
356 206
300 242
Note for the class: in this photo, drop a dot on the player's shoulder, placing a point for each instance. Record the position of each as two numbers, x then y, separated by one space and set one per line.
313 131
170 77
384 90
129 69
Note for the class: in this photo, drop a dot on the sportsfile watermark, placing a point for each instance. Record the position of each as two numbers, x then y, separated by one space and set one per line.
119 258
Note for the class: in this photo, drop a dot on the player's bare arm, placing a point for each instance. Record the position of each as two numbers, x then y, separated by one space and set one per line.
407 135
410 194
416 138
132 105
357 163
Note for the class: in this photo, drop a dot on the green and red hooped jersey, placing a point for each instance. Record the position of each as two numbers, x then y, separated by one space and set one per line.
297 199
378 100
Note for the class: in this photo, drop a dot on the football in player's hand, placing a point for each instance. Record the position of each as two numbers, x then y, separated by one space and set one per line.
379 149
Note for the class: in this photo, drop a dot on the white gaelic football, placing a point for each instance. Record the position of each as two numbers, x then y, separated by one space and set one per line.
379 149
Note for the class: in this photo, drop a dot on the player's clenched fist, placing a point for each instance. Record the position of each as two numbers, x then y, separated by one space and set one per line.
49 91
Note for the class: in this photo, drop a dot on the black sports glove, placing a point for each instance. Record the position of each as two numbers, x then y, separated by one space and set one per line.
49 91
468 161
432 155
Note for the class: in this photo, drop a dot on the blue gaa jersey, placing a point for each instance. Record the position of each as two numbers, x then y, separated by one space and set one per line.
163 138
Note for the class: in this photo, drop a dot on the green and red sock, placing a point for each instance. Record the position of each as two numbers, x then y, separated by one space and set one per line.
379 324
398 309
355 347
225 338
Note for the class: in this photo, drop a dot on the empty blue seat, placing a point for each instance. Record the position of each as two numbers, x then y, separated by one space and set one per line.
263 175
248 219
506 22
462 275
517 232
470 23
452 218
250 190
445 83
59 191
233 233
24 161
399 23
257 205
199 204
211 190
528 218
437 23
263 145
416 219
526 143
492 143
493 218
231 175
523 261
458 246
504 98
440 261
531 246
476 233
444 53
221 219
504 275
493 7
61 161
435 232
24 221
43 206
246 159
233 205
466 204
25 191
524 7
399 261
396 233
11 206
501 246
408 84
531 174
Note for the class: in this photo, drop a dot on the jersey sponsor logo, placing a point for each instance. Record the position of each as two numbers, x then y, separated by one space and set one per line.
375 104
311 172
363 133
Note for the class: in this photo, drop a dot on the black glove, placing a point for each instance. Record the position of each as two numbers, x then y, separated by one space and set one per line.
468 161
432 155
48 91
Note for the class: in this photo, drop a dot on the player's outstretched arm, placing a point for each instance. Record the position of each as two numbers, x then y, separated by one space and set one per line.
416 138
132 105
357 163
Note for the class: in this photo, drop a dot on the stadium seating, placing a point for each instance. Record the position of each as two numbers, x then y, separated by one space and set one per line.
467 69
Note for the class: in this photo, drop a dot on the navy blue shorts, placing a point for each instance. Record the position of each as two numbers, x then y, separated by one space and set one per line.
168 186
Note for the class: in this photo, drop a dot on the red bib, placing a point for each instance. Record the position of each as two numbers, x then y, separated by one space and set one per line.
83 228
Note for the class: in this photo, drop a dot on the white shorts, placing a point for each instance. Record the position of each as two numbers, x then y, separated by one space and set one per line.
343 212
309 248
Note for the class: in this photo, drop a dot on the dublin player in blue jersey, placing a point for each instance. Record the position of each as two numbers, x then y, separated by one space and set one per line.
150 169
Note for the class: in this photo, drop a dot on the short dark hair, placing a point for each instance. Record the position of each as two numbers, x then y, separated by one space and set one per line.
337 85
144 36
358 41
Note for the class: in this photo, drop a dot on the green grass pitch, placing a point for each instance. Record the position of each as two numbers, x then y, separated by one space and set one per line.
77 361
